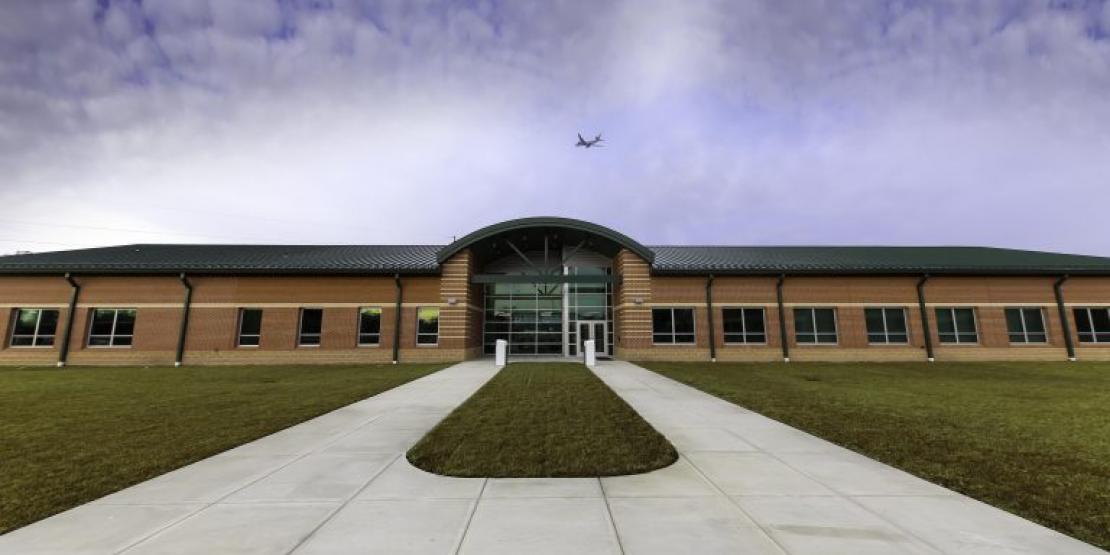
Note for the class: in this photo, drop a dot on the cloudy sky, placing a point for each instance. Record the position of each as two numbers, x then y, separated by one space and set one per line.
749 122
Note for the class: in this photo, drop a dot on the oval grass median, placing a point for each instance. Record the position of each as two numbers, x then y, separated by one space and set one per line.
535 420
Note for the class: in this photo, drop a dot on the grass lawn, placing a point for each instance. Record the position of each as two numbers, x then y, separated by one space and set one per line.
539 420
68 436
1031 438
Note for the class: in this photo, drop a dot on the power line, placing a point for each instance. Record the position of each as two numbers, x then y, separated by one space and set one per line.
240 215
5 240
124 230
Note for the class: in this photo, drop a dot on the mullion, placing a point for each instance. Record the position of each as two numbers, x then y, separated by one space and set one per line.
38 323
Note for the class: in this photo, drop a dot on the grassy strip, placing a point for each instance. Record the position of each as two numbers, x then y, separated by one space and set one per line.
542 420
1031 438
73 435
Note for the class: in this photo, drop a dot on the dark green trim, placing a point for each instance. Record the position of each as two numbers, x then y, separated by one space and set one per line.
907 272
397 320
539 278
1058 289
782 319
709 309
63 351
528 223
926 333
89 271
184 320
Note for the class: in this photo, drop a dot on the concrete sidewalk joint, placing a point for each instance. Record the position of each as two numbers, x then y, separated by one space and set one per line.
340 483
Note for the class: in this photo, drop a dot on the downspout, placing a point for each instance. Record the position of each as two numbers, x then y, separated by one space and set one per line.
184 320
397 321
925 318
63 353
712 330
782 320
1058 288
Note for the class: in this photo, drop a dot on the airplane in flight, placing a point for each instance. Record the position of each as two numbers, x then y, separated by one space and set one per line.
588 144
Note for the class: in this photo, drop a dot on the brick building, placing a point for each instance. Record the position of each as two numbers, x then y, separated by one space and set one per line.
545 285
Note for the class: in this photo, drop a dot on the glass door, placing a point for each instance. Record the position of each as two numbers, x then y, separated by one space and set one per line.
595 331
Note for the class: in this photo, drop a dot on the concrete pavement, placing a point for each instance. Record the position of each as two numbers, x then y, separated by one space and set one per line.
340 484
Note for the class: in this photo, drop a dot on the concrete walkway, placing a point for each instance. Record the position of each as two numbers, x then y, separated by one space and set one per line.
340 484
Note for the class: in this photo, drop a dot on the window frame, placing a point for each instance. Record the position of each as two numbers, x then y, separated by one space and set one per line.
358 328
239 329
955 326
813 311
115 324
1024 327
674 334
1094 333
744 323
36 335
886 333
439 314
300 328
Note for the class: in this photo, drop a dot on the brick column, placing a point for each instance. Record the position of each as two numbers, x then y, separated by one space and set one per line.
459 321
632 320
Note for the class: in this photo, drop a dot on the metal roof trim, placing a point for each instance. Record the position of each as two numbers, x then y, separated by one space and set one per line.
545 221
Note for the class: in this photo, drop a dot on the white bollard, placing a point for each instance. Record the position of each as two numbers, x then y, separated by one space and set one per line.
499 356
591 355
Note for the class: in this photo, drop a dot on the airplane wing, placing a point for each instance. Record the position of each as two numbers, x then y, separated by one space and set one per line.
580 139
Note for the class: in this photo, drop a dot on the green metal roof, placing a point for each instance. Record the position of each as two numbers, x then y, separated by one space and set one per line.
426 259
725 260
231 259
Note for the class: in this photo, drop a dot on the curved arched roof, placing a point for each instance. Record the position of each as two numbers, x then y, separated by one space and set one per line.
525 224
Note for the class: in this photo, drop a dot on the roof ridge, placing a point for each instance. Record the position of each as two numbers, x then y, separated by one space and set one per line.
254 245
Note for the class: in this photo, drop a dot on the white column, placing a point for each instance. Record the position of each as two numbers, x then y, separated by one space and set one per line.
499 356
566 309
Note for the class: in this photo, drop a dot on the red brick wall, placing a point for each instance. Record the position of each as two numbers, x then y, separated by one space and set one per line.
217 299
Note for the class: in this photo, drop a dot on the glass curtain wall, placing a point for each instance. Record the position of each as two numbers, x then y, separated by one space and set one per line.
532 317
528 315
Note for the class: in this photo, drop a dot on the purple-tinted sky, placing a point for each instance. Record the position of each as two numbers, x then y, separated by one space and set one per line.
400 122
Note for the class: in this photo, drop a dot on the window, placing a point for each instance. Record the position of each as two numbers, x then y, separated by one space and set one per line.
34 327
250 327
427 326
815 325
1093 324
672 325
957 325
369 326
744 325
312 320
112 327
886 325
1026 325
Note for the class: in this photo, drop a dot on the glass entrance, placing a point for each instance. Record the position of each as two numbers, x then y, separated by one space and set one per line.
543 318
595 331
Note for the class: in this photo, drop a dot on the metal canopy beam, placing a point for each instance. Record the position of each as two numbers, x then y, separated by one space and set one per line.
540 278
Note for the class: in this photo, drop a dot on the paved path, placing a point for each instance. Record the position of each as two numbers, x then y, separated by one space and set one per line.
340 484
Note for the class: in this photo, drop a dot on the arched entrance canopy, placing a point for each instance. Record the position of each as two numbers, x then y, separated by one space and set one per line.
542 234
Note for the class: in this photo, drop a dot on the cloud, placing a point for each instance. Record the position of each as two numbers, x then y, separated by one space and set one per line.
740 123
